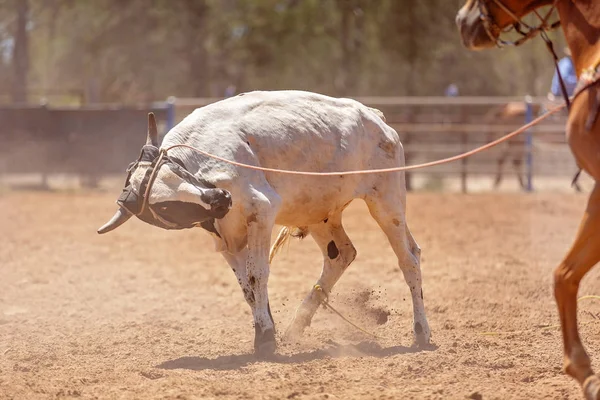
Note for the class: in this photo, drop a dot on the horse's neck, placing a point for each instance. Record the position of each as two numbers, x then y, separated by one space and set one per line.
580 20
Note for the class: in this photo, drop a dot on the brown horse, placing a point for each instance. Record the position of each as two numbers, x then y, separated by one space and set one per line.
481 22
513 150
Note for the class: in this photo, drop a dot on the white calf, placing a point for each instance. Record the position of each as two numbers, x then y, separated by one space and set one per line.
290 130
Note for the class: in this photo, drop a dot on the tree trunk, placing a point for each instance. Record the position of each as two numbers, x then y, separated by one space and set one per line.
412 47
21 53
197 15
55 8
351 37
345 9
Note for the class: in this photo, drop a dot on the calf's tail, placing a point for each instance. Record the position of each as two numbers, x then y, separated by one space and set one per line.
283 236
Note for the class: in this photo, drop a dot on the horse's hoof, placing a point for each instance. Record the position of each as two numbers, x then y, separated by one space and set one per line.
591 388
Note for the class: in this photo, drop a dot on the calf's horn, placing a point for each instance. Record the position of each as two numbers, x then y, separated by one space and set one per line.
120 217
152 138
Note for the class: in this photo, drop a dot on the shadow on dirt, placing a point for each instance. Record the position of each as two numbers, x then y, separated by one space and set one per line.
363 349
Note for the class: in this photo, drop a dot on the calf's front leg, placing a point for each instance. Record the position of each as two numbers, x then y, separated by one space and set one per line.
252 275
260 219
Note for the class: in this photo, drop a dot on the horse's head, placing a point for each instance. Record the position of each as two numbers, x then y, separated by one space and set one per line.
482 21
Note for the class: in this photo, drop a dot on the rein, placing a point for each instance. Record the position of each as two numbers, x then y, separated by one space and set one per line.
375 171
563 87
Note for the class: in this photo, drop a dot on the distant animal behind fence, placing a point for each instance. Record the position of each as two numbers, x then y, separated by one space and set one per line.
515 150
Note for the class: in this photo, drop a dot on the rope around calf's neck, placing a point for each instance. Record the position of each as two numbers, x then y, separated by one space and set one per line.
382 170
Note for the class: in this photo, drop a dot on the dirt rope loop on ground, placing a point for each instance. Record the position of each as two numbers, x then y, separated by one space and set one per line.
382 170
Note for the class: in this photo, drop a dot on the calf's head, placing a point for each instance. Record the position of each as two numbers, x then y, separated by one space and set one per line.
160 191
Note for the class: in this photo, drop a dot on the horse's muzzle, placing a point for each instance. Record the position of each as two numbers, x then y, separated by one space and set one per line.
472 31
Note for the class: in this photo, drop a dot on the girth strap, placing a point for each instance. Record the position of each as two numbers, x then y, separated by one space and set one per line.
590 77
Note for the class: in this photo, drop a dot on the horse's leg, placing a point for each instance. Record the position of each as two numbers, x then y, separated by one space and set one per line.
517 161
575 181
499 164
582 256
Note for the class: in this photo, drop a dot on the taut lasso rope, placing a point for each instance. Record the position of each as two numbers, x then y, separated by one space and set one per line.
382 170
325 300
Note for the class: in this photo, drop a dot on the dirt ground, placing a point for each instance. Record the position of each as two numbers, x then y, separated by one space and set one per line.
144 313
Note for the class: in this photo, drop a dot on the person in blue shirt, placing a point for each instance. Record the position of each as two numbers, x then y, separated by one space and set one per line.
451 90
569 75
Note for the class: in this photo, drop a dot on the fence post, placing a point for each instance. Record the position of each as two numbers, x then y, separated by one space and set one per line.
407 152
529 143
44 106
170 113
464 175
407 157
463 171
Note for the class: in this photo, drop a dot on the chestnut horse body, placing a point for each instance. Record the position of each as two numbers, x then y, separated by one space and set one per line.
480 23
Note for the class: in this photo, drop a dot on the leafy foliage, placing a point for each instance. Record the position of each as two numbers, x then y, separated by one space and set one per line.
144 50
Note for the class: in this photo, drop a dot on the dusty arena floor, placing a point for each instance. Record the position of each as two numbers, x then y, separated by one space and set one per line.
149 314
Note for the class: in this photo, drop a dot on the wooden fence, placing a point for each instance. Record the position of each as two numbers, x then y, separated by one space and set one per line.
89 142
102 140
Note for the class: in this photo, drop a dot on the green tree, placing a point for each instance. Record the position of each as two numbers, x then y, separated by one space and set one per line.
146 50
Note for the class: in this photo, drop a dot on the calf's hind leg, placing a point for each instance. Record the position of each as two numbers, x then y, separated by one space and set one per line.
389 212
338 253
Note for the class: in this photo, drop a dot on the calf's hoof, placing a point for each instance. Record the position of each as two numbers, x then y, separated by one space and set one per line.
294 331
591 388
264 342
422 334
296 328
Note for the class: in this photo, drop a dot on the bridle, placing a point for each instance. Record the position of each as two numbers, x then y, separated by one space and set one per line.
136 202
589 78
525 30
